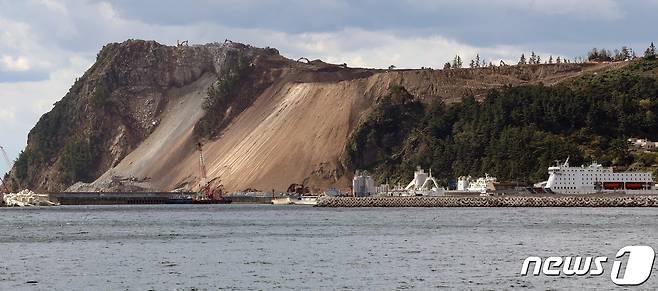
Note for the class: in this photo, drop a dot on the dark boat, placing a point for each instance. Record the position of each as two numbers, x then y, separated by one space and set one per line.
180 200
219 200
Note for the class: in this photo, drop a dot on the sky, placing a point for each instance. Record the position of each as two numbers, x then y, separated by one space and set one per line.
46 44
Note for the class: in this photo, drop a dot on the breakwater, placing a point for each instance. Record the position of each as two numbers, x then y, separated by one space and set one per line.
499 201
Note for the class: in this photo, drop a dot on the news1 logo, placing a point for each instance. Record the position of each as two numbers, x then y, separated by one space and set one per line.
637 270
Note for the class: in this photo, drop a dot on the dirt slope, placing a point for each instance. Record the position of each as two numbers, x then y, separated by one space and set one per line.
296 129
170 143
127 124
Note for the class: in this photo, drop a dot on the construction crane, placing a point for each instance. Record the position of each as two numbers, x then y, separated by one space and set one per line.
212 195
6 158
205 186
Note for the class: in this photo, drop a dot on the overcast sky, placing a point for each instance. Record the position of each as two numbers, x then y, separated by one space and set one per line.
46 44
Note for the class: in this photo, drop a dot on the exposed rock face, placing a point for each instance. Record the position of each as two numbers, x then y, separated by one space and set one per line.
128 123
135 76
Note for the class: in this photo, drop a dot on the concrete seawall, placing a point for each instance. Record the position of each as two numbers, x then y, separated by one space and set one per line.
504 201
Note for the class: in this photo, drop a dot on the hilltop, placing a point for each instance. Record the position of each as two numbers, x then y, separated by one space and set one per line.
515 132
133 121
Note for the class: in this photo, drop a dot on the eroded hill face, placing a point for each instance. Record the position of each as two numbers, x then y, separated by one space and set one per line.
128 123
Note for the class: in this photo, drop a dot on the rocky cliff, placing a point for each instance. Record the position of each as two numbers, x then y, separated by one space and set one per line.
134 119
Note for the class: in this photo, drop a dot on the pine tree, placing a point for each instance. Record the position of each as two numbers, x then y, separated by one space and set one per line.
550 59
650 53
616 55
533 58
599 55
538 60
522 61
472 64
593 55
606 56
477 60
625 53
457 62
558 60
446 66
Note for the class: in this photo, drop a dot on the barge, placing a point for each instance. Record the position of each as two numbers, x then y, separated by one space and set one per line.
118 198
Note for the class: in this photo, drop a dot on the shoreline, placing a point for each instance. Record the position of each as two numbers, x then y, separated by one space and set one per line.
495 201
557 200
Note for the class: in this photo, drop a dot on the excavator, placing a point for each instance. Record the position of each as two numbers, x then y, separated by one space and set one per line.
6 158
210 194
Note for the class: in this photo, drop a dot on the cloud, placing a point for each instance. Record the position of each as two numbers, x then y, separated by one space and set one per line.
54 5
17 64
46 44
353 45
19 69
23 57
590 9
380 49
7 114
305 16
26 76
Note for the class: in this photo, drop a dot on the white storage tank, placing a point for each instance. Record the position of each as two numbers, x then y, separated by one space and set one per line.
363 184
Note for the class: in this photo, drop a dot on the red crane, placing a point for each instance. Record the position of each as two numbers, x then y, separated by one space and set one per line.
212 195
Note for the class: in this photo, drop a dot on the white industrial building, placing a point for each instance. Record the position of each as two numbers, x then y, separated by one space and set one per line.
363 184
480 185
423 184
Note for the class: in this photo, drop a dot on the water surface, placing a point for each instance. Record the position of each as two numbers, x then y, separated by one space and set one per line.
263 247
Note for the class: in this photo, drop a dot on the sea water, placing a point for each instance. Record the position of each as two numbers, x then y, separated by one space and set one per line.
265 247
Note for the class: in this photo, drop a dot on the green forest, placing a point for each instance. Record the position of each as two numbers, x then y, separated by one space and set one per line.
218 97
516 132
80 151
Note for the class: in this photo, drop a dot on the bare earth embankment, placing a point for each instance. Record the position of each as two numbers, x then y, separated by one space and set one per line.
294 130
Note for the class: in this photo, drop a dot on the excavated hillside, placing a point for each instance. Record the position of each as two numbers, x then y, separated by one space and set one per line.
129 123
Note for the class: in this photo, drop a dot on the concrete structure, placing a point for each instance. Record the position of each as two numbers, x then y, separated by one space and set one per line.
26 198
480 185
500 201
463 182
643 143
423 184
333 192
383 189
363 184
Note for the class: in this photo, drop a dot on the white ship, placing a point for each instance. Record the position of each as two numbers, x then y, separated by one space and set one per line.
479 185
306 200
564 179
282 201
